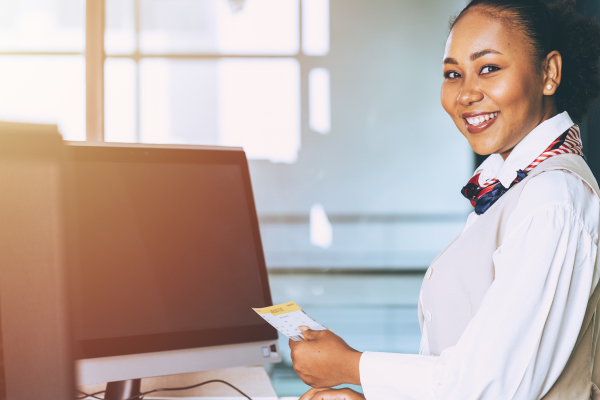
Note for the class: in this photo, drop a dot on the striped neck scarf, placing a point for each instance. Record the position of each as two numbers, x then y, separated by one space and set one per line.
482 197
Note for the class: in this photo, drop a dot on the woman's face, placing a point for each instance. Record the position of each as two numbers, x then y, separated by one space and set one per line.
490 76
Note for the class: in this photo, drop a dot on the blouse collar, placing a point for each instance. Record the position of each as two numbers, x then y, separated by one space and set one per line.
525 152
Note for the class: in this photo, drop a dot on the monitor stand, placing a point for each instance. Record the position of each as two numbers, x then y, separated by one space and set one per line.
121 390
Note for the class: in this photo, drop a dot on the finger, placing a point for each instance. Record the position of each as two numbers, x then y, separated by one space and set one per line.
308 395
304 329
309 334
338 394
330 394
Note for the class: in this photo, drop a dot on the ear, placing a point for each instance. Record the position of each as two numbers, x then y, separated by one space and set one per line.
552 72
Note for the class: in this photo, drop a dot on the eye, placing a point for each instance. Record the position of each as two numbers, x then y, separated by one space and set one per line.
489 69
451 75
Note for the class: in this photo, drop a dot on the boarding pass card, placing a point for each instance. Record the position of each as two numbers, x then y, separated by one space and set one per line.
287 318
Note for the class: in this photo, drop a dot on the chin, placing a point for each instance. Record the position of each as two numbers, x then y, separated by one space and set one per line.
484 143
483 149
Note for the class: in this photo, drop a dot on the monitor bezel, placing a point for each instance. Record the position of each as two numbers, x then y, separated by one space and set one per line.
180 154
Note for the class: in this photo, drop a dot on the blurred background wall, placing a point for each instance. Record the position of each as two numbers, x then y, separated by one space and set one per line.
355 166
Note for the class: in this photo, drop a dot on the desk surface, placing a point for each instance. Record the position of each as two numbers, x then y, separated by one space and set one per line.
220 398
254 381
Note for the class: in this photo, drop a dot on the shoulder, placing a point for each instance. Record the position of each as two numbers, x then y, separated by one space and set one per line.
558 187
562 191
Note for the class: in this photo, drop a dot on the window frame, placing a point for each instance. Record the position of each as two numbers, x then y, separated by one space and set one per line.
96 58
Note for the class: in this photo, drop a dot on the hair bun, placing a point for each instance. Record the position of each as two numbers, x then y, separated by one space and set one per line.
577 39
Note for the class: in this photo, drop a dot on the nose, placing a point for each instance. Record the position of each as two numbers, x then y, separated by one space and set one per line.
469 93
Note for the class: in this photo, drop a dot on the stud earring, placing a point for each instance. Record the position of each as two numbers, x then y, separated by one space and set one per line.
549 87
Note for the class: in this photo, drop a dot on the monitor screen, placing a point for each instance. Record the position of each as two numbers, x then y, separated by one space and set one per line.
165 250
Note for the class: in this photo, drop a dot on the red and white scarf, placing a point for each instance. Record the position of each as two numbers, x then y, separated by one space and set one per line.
483 196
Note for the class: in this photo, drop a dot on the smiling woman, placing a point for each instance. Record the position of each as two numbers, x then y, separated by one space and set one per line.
508 309
513 76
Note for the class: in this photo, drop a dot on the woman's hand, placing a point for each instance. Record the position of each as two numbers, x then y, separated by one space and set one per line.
324 360
332 394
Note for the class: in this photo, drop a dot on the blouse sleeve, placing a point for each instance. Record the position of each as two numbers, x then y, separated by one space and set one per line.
517 344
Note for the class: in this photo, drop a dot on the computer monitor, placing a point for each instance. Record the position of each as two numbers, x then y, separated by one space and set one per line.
165 261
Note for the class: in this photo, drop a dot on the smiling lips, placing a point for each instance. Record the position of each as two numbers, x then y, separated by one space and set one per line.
477 122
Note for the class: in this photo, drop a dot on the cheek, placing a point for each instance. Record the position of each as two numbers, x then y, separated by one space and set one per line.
448 98
512 94
515 103
505 93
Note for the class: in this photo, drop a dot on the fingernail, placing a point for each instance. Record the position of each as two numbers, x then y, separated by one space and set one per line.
303 328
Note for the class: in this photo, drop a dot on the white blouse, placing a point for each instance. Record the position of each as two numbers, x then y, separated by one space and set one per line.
550 244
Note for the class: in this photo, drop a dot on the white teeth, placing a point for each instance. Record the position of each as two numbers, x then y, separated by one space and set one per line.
478 120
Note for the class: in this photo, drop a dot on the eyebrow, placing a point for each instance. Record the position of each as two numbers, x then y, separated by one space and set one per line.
473 57
482 53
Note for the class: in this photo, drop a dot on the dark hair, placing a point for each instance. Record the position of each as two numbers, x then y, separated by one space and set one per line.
556 27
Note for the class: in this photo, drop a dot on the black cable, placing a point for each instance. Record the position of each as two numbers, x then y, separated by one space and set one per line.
93 395
141 395
85 395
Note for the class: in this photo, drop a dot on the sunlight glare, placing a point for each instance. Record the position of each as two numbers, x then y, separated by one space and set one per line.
259 107
119 100
44 89
321 232
319 100
315 27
